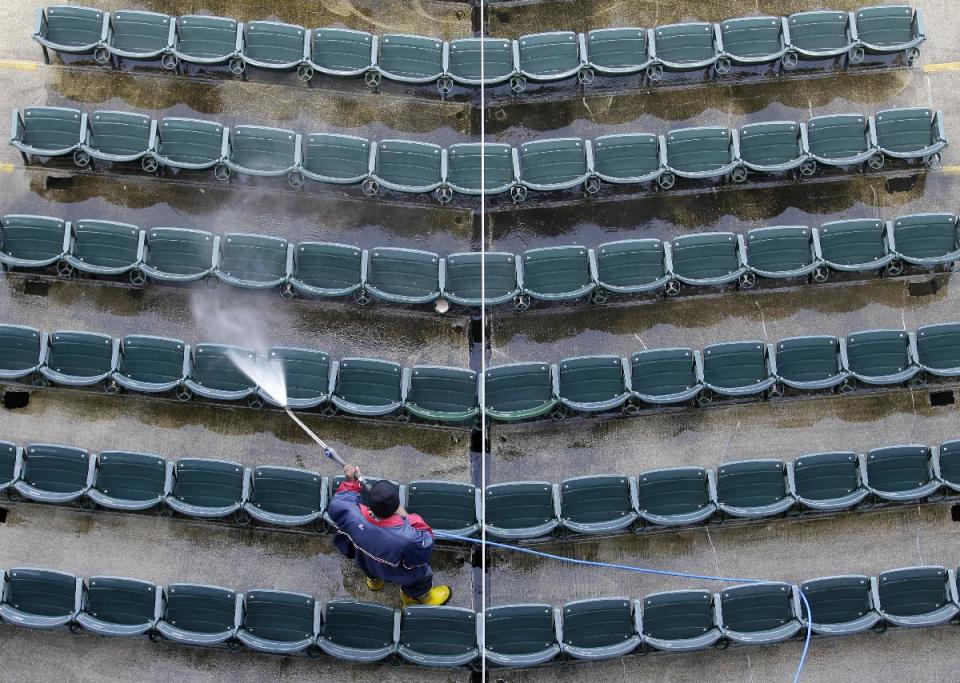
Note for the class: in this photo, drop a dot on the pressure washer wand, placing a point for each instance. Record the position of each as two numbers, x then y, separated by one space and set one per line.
327 451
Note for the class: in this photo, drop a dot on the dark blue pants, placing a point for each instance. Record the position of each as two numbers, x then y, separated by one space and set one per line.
415 588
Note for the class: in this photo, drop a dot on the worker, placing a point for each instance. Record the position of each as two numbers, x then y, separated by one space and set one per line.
387 543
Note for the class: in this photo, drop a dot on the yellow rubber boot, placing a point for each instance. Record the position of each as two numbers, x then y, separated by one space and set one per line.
375 584
438 595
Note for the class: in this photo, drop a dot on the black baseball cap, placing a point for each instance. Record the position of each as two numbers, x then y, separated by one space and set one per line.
384 497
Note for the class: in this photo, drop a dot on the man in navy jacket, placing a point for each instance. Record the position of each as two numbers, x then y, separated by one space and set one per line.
386 542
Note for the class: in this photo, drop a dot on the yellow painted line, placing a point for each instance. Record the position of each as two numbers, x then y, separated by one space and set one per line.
17 65
950 169
5 167
944 66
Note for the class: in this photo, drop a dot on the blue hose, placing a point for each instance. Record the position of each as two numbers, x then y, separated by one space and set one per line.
645 570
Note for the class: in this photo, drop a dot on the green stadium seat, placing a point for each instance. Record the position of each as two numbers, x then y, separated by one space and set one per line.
463 285
632 266
200 615
207 40
463 168
152 364
708 258
938 349
47 131
521 635
676 496
785 251
706 152
32 241
754 40
338 159
550 56
775 147
629 158
279 622
262 151
843 140
440 393
79 359
306 377
131 481
946 464
808 363
39 598
253 261
826 481
615 51
522 510
178 254
752 488
464 61
661 376
760 613
215 375
22 351
559 273
447 506
601 628
116 606
275 46
207 488
856 245
141 35
738 368
404 276
881 357
900 474
367 387
54 474
342 51
438 636
686 47
411 59
590 384
408 166
359 631
680 621
840 605
821 34
555 164
926 239
286 496
119 136
327 269
598 504
191 144
916 596
74 30
104 248
912 133
889 29
519 391
11 462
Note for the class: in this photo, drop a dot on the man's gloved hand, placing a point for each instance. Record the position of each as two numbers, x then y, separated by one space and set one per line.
351 471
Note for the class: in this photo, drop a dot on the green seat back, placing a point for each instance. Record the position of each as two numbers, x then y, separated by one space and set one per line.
836 599
151 359
189 141
757 607
465 58
51 128
463 274
556 270
631 155
8 460
519 505
441 389
328 265
519 629
674 491
546 54
263 149
590 379
630 263
359 625
769 144
207 37
660 372
950 461
32 238
685 43
823 476
279 616
121 601
808 359
58 469
699 149
286 491
926 235
751 36
463 168
892 25
253 257
41 592
837 137
19 348
617 48
439 631
878 352
140 31
597 623
913 591
179 250
751 483
852 242
898 468
208 483
781 248
735 364
705 255
336 156
80 354
408 163
443 504
200 609
119 132
339 49
407 272
938 346
548 162
411 56
131 476
600 498
74 26
368 382
819 31
272 42
904 130
678 615
518 387
107 244
212 367
306 372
